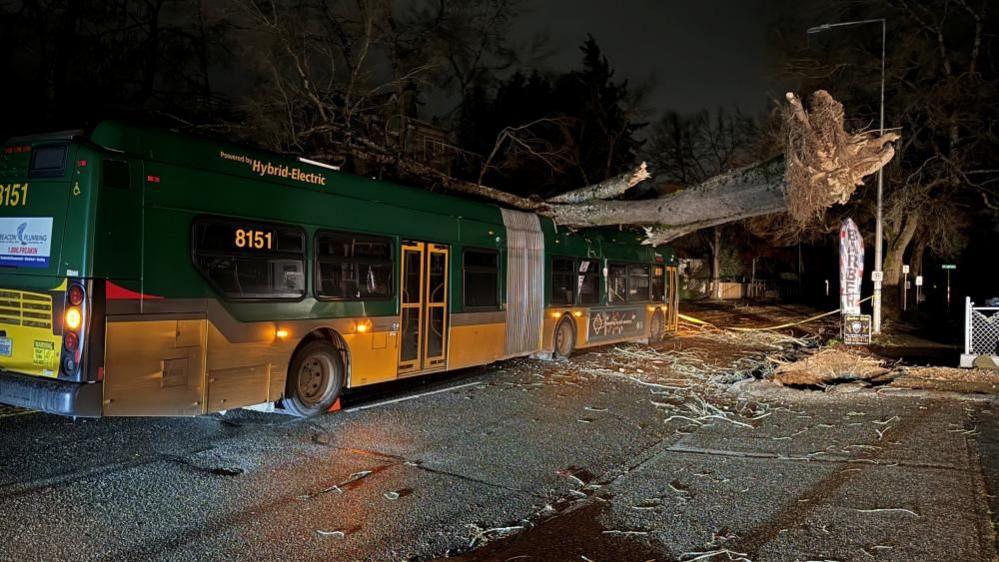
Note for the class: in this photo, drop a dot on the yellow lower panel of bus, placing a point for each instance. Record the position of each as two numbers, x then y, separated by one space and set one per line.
188 367
155 368
476 344
374 357
27 344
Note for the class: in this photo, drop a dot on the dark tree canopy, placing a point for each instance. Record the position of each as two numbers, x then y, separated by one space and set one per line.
573 128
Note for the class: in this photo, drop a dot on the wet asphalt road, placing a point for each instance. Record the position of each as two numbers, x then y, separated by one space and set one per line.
562 468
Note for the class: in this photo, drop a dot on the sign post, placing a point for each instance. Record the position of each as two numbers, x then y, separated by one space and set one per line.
905 286
919 290
948 267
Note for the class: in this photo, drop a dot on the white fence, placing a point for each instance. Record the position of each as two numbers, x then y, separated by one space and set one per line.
981 332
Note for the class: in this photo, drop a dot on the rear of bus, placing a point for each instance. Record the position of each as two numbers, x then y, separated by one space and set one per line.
45 305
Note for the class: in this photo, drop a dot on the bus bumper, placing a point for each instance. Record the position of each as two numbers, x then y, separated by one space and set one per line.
52 396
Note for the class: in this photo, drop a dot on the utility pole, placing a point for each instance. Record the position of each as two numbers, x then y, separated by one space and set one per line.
877 276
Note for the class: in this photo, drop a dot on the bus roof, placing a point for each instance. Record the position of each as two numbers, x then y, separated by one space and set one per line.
178 149
193 152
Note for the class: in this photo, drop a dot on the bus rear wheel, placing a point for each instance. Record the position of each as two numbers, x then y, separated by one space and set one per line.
315 379
658 329
565 338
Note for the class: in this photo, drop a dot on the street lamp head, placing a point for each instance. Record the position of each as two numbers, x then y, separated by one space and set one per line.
819 28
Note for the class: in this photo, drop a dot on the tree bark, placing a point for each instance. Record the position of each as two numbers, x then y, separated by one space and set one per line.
747 192
896 250
892 297
605 189
917 256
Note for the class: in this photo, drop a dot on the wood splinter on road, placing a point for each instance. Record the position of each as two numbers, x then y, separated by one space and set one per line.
889 509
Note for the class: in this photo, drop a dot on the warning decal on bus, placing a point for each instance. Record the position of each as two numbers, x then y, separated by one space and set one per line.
25 241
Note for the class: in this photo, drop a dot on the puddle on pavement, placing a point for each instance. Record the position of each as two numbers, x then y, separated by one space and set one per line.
564 537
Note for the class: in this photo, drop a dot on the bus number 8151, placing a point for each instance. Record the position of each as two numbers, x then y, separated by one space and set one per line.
253 239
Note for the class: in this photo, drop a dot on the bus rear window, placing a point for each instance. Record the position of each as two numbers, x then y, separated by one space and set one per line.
48 161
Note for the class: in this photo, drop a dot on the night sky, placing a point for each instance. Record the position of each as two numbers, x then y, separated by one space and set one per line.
698 55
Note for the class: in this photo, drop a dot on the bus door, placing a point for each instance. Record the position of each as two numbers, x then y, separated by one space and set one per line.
423 333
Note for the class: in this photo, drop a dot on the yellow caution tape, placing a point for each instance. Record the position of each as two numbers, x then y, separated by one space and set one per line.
693 320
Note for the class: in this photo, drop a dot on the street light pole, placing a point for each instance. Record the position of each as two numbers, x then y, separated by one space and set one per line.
878 275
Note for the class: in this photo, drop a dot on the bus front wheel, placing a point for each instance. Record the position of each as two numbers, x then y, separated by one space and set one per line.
658 329
565 337
315 379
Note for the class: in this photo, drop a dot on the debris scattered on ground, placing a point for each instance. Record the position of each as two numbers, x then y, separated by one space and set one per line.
483 536
715 555
950 379
889 510
331 534
953 374
829 366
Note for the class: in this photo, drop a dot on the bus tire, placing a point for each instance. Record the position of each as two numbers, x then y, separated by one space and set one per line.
658 329
315 379
564 340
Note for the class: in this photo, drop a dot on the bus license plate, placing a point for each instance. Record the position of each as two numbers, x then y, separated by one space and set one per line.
6 344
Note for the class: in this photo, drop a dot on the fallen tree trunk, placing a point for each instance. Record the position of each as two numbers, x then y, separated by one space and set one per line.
740 194
822 166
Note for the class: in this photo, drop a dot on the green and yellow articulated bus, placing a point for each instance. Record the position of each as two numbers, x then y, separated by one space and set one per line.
143 272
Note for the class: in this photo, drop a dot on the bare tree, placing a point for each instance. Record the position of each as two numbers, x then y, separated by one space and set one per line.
942 92
326 99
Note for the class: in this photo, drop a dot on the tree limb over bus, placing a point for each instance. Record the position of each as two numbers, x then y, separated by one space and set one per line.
822 165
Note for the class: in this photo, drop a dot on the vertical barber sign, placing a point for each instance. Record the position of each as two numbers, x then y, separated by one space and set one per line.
851 267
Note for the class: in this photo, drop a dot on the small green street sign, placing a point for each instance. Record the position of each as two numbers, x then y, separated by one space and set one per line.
948 266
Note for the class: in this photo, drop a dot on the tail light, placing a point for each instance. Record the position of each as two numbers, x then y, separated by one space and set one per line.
74 327
76 295
74 318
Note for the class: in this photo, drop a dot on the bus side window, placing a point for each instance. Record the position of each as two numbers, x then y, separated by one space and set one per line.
115 174
617 283
248 259
562 281
353 266
588 282
638 283
480 277
658 283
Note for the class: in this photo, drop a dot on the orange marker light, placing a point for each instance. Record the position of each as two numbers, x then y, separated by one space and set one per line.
361 328
281 333
73 319
577 314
